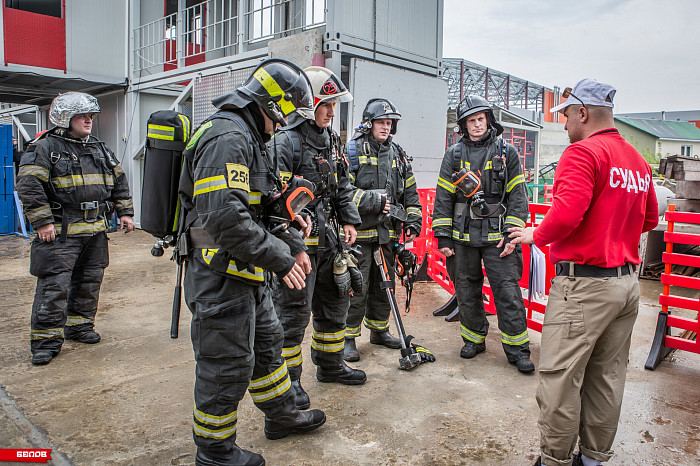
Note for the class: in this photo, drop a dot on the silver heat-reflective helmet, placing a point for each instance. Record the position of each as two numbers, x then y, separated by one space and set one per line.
66 106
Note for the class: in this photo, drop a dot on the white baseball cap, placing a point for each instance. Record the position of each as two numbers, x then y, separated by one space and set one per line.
587 92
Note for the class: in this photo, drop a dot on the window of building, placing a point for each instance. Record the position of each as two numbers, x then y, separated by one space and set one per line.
193 18
171 5
315 12
262 16
42 7
686 150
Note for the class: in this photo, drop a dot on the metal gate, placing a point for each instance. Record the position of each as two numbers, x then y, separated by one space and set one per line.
207 87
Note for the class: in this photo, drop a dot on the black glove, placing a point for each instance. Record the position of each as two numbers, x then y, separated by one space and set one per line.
341 275
355 274
425 354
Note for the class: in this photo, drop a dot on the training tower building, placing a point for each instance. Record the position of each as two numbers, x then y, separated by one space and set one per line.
140 56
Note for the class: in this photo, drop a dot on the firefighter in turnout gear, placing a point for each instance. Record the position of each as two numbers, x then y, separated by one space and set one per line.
311 149
68 182
480 194
388 203
228 184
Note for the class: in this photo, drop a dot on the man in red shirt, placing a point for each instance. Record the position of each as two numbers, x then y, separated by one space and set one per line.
603 201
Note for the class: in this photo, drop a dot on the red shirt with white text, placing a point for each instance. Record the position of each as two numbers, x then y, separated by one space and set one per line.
604 199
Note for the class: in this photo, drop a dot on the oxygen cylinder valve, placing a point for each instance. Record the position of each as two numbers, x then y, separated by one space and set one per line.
157 250
479 202
161 244
365 126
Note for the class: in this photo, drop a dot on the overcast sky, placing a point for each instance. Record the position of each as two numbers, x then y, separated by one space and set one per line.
648 49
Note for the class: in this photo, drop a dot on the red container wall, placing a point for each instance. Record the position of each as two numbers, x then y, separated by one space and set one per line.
195 52
548 104
34 40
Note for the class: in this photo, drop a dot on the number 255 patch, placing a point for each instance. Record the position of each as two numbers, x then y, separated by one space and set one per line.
237 176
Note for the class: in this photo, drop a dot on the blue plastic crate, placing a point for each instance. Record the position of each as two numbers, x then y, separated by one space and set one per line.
7 181
8 212
8 218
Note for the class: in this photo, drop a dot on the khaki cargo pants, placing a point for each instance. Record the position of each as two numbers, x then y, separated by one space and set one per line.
583 363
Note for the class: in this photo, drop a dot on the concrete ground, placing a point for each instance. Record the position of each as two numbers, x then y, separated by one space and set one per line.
128 400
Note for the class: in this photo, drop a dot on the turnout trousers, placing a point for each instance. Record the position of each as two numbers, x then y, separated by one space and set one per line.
586 339
504 273
237 342
321 299
372 305
69 275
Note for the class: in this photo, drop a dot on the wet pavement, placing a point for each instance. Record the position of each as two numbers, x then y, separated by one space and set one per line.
128 400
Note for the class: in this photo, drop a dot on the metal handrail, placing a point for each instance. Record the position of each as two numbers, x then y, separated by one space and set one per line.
210 35
215 25
150 42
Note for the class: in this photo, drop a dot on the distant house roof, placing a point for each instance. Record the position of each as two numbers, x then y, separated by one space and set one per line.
681 115
518 118
664 129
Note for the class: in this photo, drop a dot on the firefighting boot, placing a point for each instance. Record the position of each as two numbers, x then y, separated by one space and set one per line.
39 358
525 365
301 398
236 456
90 337
342 374
384 338
289 420
578 461
350 352
469 350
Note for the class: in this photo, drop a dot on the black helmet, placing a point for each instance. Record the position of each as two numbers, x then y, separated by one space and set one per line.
378 109
472 104
280 87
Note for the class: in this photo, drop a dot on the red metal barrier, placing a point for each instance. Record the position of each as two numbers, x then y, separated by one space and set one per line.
537 213
664 342
548 193
437 264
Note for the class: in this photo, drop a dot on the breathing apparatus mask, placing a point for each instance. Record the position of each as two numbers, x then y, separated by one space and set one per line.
405 267
283 206
405 261
469 184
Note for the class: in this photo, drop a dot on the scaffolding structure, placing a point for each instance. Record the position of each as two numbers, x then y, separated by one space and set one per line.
468 78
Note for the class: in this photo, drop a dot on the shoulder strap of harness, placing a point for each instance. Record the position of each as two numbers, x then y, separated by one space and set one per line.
297 149
404 158
502 148
235 118
457 157
352 154
111 158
